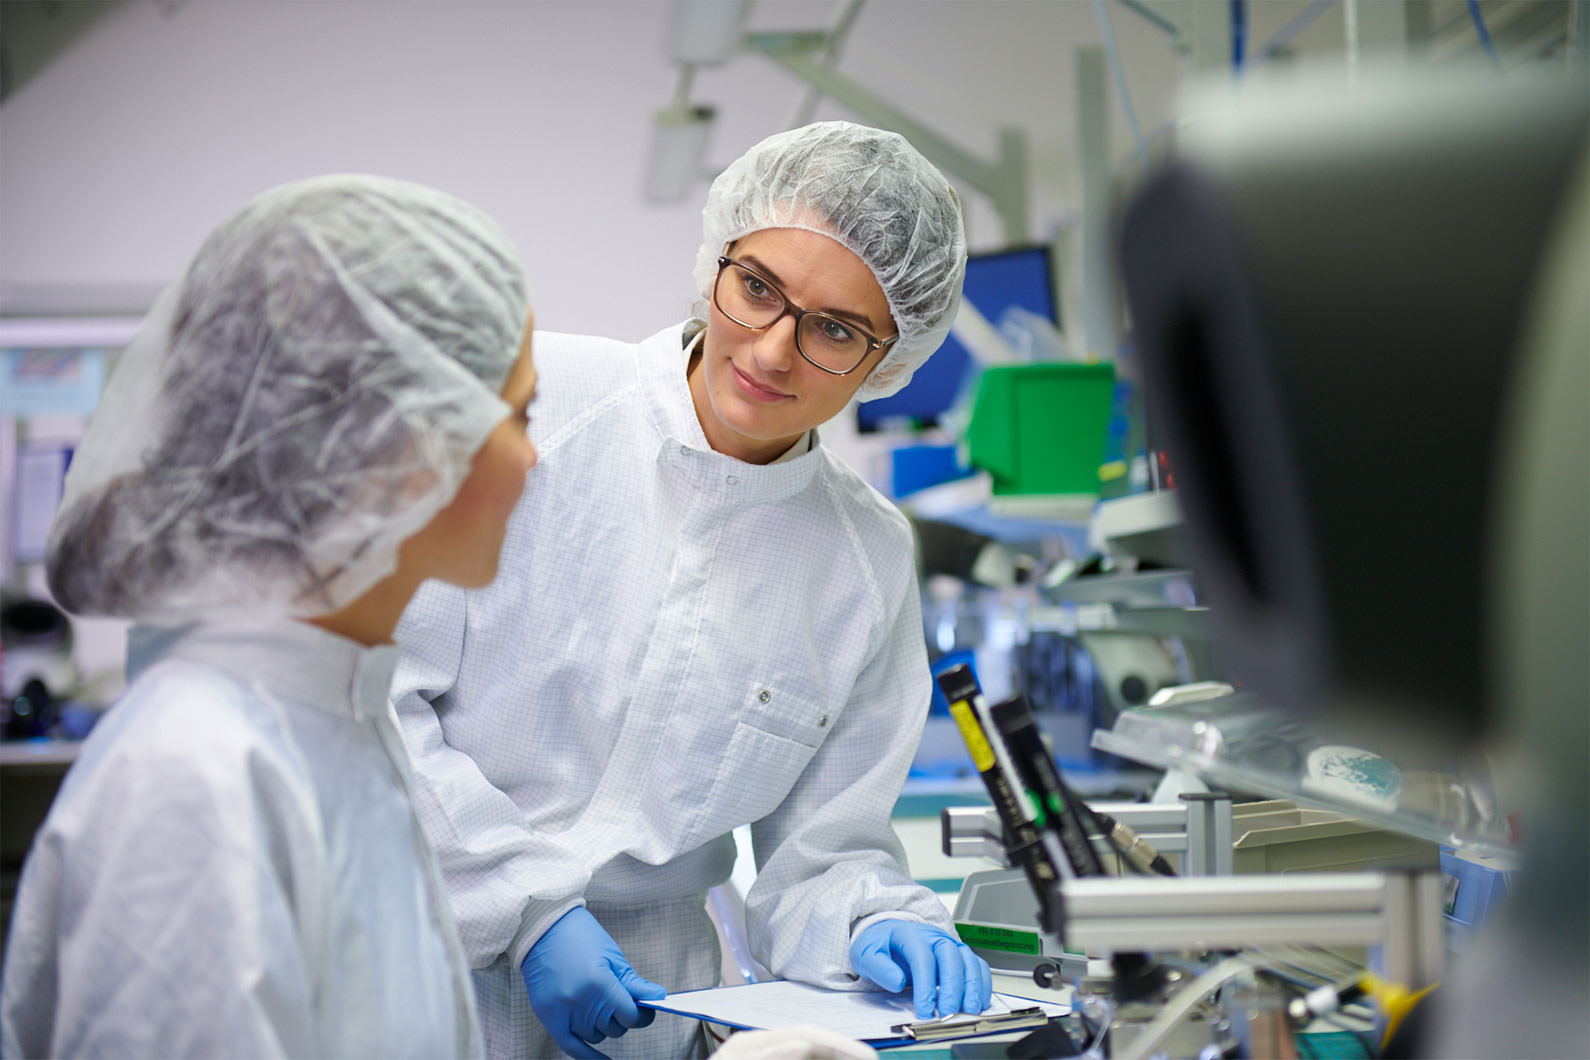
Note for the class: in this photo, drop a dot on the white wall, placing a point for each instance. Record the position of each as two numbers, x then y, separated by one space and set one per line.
166 114
163 117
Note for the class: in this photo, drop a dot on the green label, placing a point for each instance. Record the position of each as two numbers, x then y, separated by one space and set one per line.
1037 808
998 938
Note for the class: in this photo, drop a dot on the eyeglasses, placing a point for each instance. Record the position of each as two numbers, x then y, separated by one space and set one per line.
751 301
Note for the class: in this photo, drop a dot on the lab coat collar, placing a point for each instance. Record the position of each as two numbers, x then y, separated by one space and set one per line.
287 659
683 445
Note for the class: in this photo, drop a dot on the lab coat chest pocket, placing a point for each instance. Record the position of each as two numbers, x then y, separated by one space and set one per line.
774 738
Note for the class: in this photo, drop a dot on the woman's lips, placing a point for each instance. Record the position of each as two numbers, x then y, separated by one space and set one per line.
756 390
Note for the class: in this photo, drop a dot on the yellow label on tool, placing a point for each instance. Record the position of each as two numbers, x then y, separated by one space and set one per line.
972 733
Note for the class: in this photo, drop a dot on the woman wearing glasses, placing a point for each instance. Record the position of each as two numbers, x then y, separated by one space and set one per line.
704 620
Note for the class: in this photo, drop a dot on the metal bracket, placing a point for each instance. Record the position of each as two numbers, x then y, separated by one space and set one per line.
1200 830
1003 181
1398 911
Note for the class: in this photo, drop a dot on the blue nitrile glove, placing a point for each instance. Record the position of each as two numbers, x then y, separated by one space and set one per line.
941 970
582 987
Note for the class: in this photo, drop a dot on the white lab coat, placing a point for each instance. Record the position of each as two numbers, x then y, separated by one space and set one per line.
677 643
233 867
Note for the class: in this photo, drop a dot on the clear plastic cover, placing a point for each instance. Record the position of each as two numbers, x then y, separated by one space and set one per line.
1238 744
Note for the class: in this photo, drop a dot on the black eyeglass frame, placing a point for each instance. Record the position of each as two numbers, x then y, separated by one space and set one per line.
791 309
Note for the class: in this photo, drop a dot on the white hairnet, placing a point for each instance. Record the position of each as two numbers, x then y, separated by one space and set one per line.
308 394
879 198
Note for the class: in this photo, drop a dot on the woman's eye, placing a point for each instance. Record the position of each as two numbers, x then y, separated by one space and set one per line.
757 289
836 332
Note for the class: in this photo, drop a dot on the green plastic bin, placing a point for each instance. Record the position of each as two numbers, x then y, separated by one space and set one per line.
1040 429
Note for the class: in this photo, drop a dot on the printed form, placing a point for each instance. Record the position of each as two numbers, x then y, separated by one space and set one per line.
868 1016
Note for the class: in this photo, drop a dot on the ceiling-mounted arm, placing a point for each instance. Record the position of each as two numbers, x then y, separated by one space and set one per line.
1004 181
1199 30
829 55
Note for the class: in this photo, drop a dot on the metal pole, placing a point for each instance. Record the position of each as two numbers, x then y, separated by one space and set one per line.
1093 163
1209 834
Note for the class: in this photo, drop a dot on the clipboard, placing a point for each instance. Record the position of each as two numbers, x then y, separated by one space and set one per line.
943 1030
881 1020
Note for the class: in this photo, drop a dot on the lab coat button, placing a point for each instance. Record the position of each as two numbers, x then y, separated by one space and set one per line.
822 722
732 480
765 695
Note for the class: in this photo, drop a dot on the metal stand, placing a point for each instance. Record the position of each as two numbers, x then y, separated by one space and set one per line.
1200 831
1209 835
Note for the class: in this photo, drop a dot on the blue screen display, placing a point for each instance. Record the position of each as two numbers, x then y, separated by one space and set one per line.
1023 276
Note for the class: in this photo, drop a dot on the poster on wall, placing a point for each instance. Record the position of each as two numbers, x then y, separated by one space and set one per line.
50 382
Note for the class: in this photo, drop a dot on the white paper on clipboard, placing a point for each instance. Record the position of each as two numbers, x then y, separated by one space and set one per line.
867 1016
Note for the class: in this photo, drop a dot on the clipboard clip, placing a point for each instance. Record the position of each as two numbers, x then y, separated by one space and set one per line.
940 1029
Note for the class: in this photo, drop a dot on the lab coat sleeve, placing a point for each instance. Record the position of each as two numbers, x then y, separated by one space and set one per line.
828 860
173 910
506 884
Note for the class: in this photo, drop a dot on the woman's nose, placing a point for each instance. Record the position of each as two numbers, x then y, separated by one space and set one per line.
775 348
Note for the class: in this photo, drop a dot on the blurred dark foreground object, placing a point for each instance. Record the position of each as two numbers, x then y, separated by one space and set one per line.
1364 323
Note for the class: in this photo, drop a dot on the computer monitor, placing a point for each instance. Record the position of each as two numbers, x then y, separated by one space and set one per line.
1020 276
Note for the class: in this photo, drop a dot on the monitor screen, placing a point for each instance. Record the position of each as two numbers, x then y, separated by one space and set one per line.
1022 276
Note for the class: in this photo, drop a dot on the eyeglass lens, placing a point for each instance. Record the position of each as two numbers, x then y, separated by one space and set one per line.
750 300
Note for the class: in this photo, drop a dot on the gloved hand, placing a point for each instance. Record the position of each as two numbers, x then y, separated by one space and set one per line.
942 971
582 987
793 1043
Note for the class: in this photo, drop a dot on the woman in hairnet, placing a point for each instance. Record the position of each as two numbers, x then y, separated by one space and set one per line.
704 620
327 408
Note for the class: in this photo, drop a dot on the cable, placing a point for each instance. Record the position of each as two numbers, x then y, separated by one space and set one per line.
1394 1000
1182 1005
1106 1012
1481 32
1324 1000
1102 15
1239 33
1339 967
1294 26
1301 983
1138 854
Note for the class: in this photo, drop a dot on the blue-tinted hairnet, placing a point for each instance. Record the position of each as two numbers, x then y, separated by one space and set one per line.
307 395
